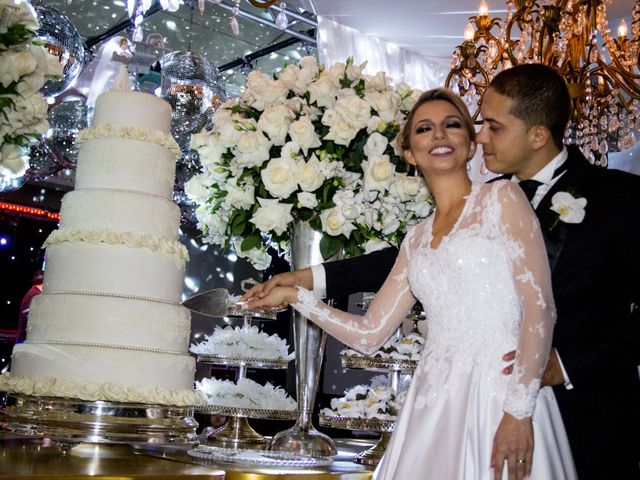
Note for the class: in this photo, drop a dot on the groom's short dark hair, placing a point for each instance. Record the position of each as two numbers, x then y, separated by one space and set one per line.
540 97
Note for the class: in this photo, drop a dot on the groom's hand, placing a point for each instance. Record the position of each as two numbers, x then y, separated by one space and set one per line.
298 278
552 374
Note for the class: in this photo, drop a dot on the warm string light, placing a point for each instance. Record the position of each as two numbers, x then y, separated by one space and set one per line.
602 72
37 212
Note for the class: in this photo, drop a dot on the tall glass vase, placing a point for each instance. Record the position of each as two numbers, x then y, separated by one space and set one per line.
309 342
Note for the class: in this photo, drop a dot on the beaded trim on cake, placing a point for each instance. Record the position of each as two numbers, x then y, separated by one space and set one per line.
92 391
109 130
123 190
112 295
104 345
99 235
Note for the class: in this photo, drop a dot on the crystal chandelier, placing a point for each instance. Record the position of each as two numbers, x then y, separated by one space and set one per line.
572 36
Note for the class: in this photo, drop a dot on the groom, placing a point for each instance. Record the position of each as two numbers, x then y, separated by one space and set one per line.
594 254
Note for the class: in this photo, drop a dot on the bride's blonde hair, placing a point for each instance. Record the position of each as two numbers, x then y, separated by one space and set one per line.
403 138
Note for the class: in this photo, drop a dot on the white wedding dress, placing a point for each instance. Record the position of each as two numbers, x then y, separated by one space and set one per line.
486 291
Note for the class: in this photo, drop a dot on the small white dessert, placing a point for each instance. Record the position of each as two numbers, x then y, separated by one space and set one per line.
368 402
407 348
243 342
245 394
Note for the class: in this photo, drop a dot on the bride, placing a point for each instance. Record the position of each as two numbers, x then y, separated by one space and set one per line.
479 267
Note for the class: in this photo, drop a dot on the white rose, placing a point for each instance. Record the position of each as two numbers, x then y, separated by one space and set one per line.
390 223
409 98
209 148
290 150
258 257
252 149
195 190
384 103
329 118
374 124
342 132
240 196
14 64
348 203
262 90
376 145
405 187
334 223
379 82
13 161
275 121
323 92
309 176
306 76
309 62
307 200
354 110
279 177
304 134
374 245
272 215
48 63
225 126
289 76
378 173
336 71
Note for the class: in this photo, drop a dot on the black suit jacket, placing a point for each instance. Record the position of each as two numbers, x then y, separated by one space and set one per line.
595 267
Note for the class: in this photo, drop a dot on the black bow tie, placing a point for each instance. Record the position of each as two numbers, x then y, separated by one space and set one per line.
529 187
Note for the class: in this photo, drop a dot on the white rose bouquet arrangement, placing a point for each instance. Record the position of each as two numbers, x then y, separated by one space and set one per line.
316 145
25 66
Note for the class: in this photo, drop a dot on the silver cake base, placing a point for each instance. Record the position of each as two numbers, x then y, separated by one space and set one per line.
70 421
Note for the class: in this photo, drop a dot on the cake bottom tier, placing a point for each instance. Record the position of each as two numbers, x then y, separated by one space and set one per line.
98 373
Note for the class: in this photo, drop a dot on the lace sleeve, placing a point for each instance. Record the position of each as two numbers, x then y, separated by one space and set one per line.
532 279
387 311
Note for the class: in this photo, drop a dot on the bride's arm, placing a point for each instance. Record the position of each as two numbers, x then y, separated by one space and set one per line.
532 279
513 440
363 333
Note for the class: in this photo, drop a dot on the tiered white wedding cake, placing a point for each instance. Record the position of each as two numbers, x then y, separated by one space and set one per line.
109 324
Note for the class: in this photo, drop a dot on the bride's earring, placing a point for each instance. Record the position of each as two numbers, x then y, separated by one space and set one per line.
469 165
483 168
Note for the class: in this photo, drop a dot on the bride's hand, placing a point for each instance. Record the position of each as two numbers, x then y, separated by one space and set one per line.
513 442
277 299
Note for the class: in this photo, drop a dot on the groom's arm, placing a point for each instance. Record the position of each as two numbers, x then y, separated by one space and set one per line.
365 273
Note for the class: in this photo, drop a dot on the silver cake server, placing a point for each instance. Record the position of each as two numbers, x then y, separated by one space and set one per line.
212 303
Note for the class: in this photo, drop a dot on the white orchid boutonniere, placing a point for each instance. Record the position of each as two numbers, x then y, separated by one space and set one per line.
569 208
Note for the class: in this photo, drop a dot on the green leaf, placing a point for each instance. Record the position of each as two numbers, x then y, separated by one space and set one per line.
305 214
250 242
329 246
238 222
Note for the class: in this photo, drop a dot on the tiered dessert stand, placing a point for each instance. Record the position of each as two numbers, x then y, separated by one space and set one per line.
395 369
236 432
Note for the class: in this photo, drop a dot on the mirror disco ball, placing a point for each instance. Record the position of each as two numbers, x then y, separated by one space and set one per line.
194 89
65 120
62 39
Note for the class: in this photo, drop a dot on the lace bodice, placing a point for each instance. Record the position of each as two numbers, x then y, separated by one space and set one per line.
486 290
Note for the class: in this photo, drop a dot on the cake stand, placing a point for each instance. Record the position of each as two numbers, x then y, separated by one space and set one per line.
236 432
372 455
69 421
395 368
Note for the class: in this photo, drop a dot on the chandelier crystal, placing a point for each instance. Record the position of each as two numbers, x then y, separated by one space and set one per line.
573 37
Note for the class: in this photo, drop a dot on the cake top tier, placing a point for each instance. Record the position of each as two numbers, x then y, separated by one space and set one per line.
133 109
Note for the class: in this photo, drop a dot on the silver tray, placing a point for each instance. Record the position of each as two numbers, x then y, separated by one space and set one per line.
71 420
276 363
258 457
352 423
375 363
248 412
